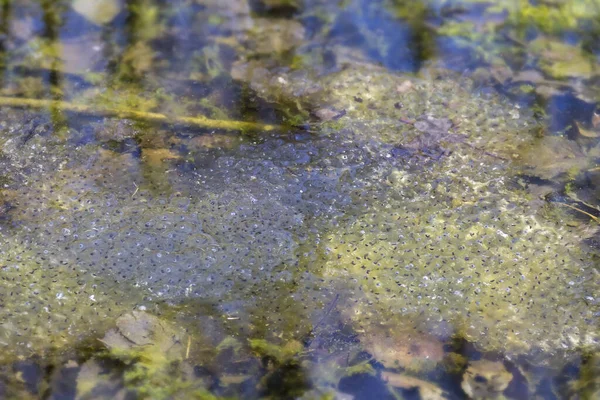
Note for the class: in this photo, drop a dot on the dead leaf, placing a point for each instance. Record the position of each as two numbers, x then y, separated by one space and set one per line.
553 156
157 157
561 60
435 131
139 329
588 133
113 339
501 73
529 75
233 379
214 141
407 348
596 120
485 379
329 114
404 87
427 390
99 12
431 124
546 91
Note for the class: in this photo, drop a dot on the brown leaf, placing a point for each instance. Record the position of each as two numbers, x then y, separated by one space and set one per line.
407 349
140 329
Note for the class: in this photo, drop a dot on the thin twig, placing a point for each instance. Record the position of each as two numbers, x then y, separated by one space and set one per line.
125 113
189 344
327 311
487 153
581 211
307 339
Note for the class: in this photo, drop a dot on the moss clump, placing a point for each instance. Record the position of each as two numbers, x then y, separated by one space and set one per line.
560 60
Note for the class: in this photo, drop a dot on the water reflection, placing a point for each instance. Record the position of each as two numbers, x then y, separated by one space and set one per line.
299 198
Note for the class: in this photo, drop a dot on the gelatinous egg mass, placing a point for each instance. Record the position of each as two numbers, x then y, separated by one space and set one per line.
410 215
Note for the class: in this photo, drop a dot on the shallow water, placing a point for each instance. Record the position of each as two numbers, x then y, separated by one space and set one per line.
299 199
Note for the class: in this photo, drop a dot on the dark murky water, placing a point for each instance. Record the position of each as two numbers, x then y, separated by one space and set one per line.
299 199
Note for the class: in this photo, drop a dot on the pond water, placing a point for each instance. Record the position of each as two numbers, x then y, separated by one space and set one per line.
312 199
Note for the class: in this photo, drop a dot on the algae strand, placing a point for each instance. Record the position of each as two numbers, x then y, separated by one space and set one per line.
197 121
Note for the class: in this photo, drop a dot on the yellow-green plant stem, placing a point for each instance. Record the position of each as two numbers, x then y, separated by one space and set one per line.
581 211
198 121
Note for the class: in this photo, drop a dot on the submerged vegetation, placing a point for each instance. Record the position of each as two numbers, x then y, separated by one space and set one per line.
299 199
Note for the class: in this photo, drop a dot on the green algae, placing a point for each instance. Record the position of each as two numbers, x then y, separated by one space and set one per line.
155 354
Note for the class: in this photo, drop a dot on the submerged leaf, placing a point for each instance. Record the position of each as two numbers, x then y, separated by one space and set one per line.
560 60
426 390
99 12
552 156
588 133
485 379
407 348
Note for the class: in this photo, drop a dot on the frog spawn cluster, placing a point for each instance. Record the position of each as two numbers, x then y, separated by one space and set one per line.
90 240
276 229
455 251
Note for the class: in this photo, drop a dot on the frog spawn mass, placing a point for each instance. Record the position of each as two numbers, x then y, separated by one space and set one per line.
276 228
91 238
459 252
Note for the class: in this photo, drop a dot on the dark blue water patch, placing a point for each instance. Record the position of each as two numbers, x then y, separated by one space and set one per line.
564 109
365 387
64 384
385 40
81 137
31 374
75 25
518 388
456 57
281 10
313 25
